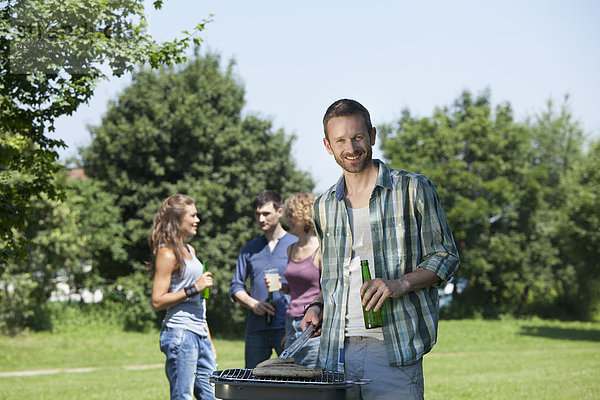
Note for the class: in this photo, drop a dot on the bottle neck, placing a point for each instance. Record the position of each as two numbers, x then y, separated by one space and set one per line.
366 273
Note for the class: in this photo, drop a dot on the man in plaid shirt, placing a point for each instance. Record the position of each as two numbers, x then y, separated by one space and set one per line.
393 219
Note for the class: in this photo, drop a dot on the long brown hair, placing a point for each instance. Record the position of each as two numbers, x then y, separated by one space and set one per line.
167 229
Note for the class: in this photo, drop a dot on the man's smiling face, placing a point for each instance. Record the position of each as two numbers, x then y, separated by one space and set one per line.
350 142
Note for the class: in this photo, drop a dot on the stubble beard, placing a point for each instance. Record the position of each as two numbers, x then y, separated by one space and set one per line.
355 168
268 228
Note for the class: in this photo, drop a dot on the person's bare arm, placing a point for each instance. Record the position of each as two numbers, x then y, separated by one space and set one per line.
164 267
377 290
257 307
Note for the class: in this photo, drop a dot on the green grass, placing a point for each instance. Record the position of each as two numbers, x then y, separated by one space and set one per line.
474 359
514 359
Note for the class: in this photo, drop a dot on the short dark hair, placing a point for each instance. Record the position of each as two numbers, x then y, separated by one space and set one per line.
265 197
346 108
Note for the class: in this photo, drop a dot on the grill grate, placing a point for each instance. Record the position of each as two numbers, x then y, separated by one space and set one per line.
245 375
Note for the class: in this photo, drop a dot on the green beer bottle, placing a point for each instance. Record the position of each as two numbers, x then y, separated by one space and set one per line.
268 317
205 293
372 319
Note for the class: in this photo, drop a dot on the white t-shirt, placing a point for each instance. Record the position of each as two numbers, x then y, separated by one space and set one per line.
362 249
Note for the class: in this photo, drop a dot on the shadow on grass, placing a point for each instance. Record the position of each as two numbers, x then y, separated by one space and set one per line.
590 335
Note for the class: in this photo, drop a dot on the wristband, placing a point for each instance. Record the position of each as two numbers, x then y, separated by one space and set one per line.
315 303
191 291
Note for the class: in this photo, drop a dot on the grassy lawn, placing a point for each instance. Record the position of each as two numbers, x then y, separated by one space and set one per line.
514 360
474 359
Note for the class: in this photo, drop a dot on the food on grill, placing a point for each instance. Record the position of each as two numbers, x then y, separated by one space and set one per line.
278 368
275 361
287 371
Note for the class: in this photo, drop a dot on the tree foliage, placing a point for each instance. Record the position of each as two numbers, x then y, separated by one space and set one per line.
68 242
182 130
579 238
503 185
53 55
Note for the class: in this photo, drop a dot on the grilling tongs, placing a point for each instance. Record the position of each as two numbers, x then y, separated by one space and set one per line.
294 347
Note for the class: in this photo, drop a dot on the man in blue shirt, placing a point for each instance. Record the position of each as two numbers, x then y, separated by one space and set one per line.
258 255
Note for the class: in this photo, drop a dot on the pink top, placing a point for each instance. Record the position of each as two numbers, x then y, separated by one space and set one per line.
303 279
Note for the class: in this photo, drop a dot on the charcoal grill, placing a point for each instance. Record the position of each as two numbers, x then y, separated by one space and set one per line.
238 384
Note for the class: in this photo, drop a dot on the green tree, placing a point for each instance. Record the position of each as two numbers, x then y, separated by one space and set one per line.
578 237
68 243
558 162
182 130
493 198
53 53
556 147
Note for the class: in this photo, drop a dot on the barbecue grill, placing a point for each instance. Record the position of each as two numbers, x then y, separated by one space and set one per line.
240 384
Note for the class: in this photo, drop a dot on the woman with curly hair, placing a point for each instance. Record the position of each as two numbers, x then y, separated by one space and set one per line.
179 277
303 273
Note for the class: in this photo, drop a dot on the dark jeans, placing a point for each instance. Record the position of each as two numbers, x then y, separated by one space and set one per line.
308 354
260 345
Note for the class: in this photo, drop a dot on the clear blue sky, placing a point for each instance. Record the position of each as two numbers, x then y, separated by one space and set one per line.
296 58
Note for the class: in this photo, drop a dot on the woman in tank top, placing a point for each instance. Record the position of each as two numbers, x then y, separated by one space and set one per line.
179 277
303 273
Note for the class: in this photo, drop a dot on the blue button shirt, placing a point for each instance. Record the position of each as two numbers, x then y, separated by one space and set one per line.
253 260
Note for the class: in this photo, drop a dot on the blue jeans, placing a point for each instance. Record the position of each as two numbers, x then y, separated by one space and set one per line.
190 362
308 354
260 345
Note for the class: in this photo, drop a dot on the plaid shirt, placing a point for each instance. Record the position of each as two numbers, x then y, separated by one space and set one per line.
409 230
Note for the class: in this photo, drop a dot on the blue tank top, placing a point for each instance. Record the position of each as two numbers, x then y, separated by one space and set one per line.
191 313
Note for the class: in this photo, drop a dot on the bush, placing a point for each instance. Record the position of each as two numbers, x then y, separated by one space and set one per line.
16 307
129 297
